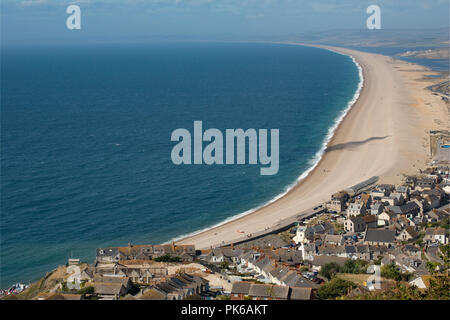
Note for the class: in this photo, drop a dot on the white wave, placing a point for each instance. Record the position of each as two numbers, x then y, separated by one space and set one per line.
313 162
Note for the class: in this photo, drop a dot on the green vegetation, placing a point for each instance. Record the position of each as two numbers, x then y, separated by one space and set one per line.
392 271
86 290
445 249
304 269
444 223
354 266
329 270
439 289
224 265
167 258
334 289
420 237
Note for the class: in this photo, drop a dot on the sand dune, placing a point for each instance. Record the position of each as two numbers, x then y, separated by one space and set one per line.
384 134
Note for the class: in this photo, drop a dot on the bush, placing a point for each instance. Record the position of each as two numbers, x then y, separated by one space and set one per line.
167 258
354 266
334 289
392 271
350 266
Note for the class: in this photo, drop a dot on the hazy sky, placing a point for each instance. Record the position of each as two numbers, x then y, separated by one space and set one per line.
44 21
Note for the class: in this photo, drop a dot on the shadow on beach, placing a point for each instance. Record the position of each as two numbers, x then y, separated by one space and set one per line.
352 144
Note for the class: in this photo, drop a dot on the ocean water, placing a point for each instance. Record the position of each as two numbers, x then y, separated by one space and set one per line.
85 140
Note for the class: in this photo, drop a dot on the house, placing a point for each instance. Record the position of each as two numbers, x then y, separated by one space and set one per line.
394 199
289 256
338 201
268 292
426 183
404 222
377 194
422 203
334 239
413 251
220 255
386 188
323 228
240 290
376 208
435 216
145 252
331 250
112 288
182 286
108 255
436 235
354 224
411 209
436 192
302 234
386 218
370 221
87 273
308 250
301 293
320 261
142 271
363 252
379 237
422 282
409 233
355 209
153 293
377 251
404 191
433 200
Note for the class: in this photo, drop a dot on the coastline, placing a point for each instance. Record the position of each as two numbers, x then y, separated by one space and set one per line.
314 162
373 69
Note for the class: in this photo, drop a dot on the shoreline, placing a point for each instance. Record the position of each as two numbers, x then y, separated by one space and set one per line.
314 162
284 206
411 68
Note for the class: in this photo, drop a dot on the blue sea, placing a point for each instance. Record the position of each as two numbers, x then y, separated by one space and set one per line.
85 140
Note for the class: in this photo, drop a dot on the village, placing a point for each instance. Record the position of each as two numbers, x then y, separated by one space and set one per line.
403 229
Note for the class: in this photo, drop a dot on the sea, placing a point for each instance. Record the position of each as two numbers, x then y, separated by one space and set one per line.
86 140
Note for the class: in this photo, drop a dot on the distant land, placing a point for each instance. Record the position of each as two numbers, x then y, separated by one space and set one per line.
428 54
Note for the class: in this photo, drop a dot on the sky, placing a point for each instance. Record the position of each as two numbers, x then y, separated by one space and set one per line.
44 21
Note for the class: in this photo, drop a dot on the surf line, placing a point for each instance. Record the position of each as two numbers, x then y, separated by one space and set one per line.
235 140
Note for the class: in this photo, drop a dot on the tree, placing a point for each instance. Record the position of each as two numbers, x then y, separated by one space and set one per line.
329 270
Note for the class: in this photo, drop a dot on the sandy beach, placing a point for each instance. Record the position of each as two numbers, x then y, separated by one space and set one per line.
384 134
